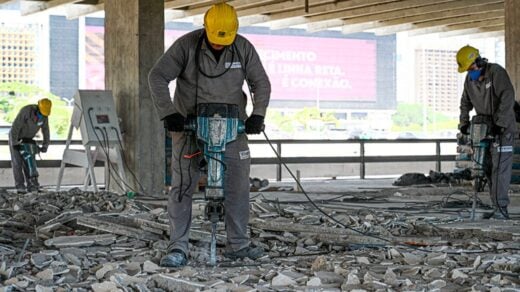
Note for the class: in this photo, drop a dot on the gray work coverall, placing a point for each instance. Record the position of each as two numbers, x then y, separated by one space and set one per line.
494 96
25 126
179 63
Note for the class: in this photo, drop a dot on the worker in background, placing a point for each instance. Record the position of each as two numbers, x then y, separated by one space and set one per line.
489 91
210 66
27 123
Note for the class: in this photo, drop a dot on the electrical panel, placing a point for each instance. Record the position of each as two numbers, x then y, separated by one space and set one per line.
95 115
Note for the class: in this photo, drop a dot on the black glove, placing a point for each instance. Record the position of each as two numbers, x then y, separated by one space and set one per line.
17 147
497 130
464 129
174 122
43 149
254 124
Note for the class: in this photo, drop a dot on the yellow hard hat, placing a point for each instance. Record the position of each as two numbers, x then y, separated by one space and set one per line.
221 24
44 106
466 56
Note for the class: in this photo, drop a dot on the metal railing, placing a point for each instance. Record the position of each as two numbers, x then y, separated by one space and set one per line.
362 158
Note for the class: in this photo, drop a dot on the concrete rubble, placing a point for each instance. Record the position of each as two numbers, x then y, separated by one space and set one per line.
84 241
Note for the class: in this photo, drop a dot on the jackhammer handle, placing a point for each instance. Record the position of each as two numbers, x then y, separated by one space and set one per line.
28 141
191 125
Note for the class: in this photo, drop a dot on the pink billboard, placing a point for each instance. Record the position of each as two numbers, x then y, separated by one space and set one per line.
299 68
94 57
311 68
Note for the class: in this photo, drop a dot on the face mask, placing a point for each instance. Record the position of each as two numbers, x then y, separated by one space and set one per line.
474 74
39 122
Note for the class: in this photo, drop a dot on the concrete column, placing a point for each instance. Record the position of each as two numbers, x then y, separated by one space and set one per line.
512 33
134 40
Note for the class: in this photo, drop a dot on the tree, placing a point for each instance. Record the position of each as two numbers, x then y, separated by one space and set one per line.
308 118
409 117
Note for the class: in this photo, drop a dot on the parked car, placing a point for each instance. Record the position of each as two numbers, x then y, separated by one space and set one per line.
337 133
406 135
356 134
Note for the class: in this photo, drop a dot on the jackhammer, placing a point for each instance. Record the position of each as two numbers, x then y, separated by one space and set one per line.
481 140
215 126
28 150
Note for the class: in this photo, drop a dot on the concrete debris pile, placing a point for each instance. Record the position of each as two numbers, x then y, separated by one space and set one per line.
81 241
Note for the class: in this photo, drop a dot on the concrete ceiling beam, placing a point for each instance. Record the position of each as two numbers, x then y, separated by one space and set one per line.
205 5
78 10
33 7
474 33
478 25
322 12
483 15
412 15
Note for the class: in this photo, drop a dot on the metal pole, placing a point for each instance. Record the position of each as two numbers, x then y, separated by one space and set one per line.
438 154
279 164
362 165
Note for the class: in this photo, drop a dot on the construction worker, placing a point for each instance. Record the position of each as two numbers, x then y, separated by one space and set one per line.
489 91
210 66
27 123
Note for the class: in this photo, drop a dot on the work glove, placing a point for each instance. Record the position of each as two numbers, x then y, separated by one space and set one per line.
254 124
497 130
43 149
464 129
175 122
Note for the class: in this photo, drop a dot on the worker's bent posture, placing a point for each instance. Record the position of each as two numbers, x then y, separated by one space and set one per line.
489 91
27 123
210 66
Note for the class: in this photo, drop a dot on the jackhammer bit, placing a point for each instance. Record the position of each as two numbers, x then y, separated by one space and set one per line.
214 212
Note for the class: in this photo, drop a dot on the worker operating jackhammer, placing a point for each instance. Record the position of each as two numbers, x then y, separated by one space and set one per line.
31 119
210 66
489 91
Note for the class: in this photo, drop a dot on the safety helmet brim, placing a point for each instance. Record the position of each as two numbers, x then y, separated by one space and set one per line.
223 41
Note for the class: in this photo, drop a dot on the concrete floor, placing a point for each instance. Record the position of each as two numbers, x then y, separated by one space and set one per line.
405 237
398 199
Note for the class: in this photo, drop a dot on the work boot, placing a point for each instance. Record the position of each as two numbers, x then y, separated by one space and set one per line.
33 189
33 186
496 214
176 258
251 251
501 213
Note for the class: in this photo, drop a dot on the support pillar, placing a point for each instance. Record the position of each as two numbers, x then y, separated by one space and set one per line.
512 32
134 40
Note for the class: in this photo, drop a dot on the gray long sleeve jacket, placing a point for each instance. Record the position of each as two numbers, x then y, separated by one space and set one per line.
493 96
26 125
179 62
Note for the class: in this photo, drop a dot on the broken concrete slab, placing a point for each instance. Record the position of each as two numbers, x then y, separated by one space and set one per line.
80 241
